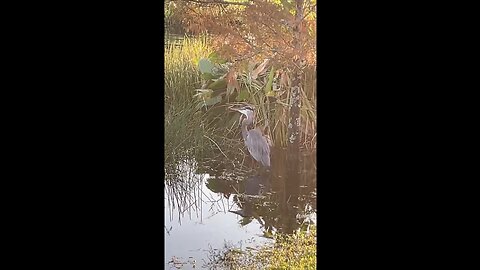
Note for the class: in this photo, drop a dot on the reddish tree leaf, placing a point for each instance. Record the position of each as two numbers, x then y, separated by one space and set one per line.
232 82
284 80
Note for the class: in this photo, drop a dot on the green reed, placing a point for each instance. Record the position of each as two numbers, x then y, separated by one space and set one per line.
273 113
180 69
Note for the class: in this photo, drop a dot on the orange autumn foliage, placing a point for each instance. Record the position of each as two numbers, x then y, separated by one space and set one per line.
260 30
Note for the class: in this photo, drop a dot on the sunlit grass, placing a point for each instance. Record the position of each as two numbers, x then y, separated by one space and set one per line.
181 73
184 128
297 251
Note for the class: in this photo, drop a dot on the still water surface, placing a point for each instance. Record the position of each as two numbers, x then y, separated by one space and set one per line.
211 204
192 234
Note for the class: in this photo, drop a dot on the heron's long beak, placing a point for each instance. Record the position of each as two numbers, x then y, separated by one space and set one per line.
241 110
233 109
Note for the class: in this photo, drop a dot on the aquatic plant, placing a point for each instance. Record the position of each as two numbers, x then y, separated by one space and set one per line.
189 131
297 251
199 85
262 85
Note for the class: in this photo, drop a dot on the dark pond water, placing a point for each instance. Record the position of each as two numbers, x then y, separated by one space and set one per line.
213 203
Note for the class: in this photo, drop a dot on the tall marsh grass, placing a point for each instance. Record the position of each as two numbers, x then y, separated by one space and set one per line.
181 72
190 130
184 130
274 114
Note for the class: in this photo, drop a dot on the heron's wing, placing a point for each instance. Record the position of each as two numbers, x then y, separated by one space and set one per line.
258 147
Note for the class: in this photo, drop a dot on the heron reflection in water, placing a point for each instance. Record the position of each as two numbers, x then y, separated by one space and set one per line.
257 144
255 186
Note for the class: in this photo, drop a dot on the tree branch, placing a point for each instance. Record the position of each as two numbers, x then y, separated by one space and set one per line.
278 35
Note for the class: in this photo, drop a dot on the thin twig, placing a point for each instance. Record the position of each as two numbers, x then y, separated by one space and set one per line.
216 145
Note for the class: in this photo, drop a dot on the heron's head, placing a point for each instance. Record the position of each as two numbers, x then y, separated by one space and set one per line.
246 110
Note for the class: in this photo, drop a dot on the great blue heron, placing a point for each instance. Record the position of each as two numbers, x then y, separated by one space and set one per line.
257 144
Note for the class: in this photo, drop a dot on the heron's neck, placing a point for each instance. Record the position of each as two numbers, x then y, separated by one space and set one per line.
245 123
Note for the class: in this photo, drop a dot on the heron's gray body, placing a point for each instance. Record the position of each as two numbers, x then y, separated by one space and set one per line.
256 143
258 146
